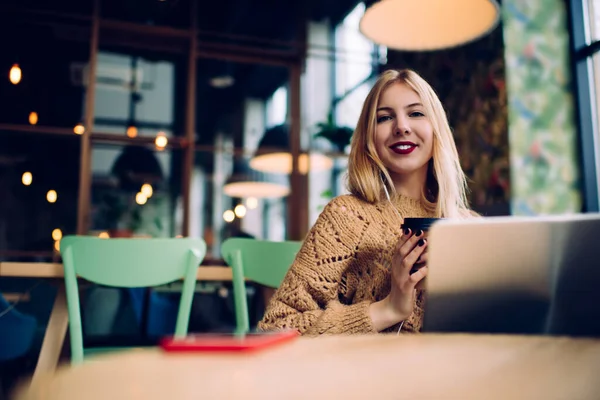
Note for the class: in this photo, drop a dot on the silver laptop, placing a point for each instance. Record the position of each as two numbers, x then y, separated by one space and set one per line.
528 275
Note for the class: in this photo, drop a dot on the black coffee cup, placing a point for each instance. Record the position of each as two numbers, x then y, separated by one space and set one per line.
416 224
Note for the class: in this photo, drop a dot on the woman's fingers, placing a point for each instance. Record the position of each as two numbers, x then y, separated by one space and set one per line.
406 235
411 258
418 276
408 242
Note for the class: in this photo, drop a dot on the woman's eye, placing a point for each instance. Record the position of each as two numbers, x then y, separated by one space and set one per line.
383 118
417 114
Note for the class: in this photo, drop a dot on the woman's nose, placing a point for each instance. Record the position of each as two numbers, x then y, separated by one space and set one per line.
402 127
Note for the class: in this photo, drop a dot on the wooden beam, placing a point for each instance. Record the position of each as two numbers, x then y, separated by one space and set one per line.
85 173
297 206
190 122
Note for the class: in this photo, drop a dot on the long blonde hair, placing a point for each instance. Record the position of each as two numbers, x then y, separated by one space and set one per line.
445 191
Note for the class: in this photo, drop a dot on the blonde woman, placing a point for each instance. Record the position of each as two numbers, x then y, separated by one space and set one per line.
353 272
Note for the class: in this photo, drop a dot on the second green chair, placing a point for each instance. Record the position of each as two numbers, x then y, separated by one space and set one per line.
261 261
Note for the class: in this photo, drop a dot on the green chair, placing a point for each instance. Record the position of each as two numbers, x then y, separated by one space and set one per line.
128 263
261 261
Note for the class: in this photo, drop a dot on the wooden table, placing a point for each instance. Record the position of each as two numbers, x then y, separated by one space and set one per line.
55 270
56 329
344 367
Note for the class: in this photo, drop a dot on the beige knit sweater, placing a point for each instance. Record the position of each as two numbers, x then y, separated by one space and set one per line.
343 267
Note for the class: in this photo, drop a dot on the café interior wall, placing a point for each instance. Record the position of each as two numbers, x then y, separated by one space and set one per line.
542 133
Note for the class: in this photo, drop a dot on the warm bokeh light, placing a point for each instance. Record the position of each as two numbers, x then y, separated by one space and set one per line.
132 131
57 245
141 198
178 236
240 211
281 163
79 129
251 203
51 196
228 216
161 141
103 235
15 74
147 190
57 234
33 118
27 178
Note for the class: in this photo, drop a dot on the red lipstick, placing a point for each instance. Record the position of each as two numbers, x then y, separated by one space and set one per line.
403 147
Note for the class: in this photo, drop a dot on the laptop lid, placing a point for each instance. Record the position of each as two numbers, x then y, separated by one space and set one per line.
515 275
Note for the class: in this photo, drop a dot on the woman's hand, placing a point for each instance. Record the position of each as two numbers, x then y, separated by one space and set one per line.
398 305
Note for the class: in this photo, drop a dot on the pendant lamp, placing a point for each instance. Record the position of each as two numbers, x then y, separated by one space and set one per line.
273 155
412 25
245 182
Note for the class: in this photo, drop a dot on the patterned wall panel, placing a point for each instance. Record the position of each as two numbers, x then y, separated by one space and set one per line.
542 131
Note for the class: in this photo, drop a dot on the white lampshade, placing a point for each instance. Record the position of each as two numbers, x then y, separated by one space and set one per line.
413 25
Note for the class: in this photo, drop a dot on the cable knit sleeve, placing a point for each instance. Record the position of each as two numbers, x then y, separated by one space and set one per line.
309 297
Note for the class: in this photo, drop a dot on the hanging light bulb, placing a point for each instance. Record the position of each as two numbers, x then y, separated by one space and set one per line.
132 131
15 74
147 190
141 198
51 196
240 211
79 129
27 178
57 234
161 141
228 216
33 118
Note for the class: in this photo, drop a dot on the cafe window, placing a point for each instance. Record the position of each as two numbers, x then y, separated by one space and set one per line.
585 34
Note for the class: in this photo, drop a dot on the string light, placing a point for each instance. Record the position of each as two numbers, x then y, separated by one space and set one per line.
79 129
147 190
51 196
161 141
240 211
228 216
57 234
132 131
27 178
33 118
141 198
15 74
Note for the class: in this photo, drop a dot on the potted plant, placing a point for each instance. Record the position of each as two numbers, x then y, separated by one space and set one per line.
338 136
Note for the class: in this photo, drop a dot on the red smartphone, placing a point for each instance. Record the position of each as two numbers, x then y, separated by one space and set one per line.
227 342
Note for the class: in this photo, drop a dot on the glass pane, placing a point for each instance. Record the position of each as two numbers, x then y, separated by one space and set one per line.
230 199
593 11
354 52
136 191
240 122
39 180
136 95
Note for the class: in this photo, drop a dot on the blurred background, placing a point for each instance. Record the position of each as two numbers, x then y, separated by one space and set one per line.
168 118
